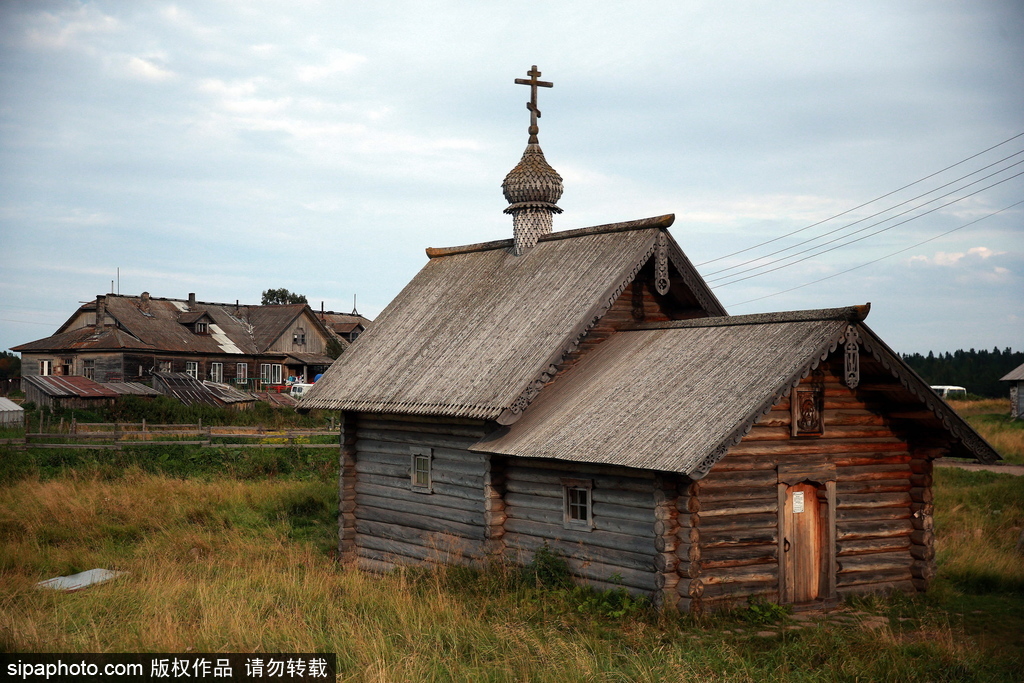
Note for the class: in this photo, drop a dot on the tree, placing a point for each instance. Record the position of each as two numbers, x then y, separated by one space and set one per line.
10 365
282 296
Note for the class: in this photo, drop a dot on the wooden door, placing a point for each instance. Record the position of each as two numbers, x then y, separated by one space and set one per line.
802 543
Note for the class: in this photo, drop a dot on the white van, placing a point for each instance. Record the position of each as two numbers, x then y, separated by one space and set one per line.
299 390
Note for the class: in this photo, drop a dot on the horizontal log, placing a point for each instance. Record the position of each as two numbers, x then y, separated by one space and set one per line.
389 516
688 536
741 589
665 583
717 525
424 430
874 562
689 553
693 588
588 470
665 562
454 554
854 501
736 480
738 538
734 462
408 495
422 419
870 514
756 572
687 520
922 495
443 475
473 493
817 447
739 495
872 545
923 569
521 473
762 433
887 577
393 436
397 532
375 566
881 588
878 471
607 539
424 508
586 553
922 537
397 454
880 529
711 514
687 504
666 544
716 558
844 488
612 574
516 509
922 521
394 559
925 553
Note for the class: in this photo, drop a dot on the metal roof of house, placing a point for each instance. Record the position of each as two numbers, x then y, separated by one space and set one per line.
7 405
478 325
131 388
69 385
670 396
1016 374
183 387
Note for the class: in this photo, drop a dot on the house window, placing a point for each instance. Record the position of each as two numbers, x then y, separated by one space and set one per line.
578 503
165 365
89 369
241 373
46 367
67 366
217 372
271 373
420 469
299 337
201 328
192 369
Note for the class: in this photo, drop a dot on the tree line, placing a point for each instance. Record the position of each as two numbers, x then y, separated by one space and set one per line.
976 371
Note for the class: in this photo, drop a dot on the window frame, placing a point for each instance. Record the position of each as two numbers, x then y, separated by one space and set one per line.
420 455
89 368
217 373
192 368
241 373
570 507
45 368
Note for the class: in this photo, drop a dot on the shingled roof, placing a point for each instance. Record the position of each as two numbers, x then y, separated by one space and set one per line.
479 325
696 387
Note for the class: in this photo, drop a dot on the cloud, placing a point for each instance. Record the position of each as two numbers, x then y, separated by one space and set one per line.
337 62
146 70
943 258
62 29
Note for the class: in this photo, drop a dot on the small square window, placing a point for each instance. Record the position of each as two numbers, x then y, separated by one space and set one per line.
420 469
578 501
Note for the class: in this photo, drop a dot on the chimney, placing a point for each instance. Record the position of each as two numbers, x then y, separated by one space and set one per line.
191 300
101 310
144 303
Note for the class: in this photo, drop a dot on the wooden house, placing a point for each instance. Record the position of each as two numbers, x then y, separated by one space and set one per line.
586 390
126 338
1016 379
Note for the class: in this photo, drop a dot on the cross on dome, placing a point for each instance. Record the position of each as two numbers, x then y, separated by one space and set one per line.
532 104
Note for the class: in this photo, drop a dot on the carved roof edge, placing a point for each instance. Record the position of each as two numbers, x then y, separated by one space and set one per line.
972 442
693 280
853 314
641 224
744 426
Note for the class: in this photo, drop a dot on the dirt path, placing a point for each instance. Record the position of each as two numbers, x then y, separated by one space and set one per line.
1016 470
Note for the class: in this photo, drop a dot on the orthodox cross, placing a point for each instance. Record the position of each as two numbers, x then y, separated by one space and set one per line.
532 104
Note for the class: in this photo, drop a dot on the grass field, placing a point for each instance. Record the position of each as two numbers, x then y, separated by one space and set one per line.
226 564
991 417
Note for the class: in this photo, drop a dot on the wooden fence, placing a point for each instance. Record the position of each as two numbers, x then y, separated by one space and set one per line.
117 435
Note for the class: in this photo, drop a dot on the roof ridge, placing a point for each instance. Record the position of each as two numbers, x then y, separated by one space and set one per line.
848 313
640 224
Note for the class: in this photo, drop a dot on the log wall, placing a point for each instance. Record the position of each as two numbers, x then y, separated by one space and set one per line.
883 514
392 523
618 551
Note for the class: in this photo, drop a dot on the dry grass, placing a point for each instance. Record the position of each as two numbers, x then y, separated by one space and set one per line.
227 565
991 417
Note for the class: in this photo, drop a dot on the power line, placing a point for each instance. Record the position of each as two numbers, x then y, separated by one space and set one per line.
877 213
881 258
843 213
868 227
872 234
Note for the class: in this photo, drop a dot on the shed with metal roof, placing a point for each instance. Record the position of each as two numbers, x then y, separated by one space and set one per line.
11 414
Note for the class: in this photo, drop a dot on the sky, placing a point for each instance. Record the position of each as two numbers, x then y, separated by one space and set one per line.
226 147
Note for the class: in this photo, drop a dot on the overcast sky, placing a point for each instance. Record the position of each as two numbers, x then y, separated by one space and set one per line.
224 148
